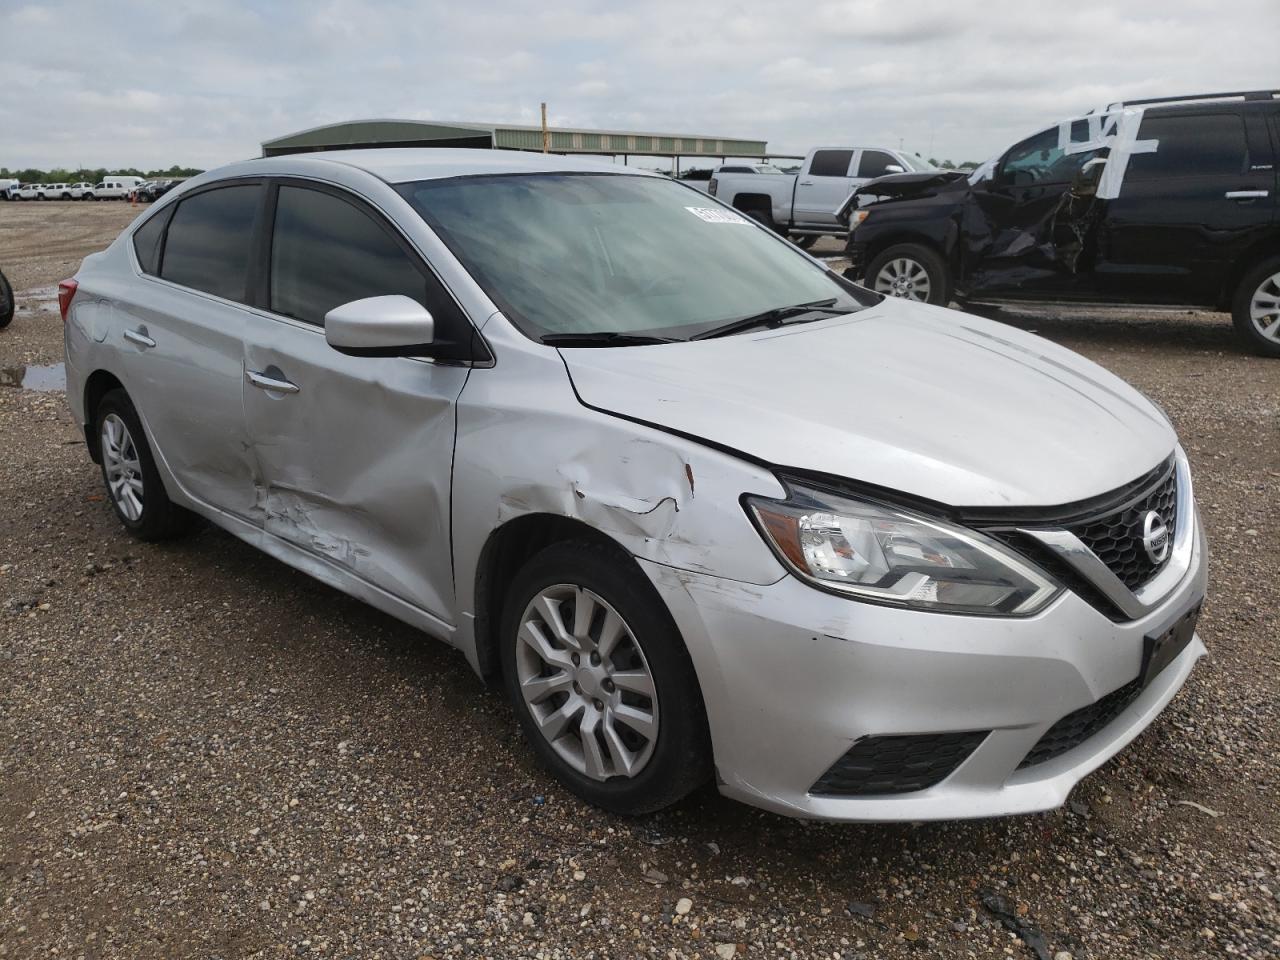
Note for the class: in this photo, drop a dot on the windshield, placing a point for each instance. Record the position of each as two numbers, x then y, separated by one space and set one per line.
595 253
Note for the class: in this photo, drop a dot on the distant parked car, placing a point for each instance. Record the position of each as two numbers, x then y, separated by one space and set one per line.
7 187
53 191
78 190
28 191
1160 201
153 190
113 188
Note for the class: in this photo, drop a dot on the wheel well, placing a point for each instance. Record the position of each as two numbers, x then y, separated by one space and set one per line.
754 201
99 384
505 552
1241 266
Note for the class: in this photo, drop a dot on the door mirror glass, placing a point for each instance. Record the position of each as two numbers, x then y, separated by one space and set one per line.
389 326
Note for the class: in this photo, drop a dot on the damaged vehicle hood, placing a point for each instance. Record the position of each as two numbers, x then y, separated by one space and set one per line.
904 186
927 401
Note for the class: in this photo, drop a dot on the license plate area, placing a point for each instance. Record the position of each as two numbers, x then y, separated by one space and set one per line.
1159 650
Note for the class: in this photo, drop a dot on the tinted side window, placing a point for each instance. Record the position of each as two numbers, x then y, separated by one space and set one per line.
1190 146
1038 159
207 247
831 163
874 162
326 252
146 242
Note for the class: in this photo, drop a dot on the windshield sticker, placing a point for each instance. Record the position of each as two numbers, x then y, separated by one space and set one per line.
714 215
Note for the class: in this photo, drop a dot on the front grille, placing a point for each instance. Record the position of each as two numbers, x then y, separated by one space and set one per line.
1077 727
897 764
1117 537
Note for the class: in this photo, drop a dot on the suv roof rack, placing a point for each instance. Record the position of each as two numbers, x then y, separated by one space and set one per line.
1195 97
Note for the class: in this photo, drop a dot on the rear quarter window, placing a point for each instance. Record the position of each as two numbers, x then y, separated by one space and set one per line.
147 239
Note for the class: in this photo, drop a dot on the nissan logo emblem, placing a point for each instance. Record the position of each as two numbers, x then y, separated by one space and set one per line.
1155 537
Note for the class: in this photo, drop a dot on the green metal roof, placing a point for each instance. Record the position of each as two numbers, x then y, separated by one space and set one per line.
401 133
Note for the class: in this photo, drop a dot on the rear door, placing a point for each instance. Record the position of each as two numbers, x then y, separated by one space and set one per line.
179 335
822 187
1187 210
354 453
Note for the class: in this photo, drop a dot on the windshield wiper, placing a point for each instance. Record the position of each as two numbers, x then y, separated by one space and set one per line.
602 338
771 318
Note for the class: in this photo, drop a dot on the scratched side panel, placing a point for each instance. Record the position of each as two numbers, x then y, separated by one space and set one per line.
354 467
526 444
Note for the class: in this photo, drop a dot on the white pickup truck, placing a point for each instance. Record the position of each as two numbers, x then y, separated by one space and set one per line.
804 205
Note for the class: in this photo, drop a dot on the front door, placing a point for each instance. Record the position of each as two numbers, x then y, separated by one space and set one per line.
1186 210
1027 235
354 454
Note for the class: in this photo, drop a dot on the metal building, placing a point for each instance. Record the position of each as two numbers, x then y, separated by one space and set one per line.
416 133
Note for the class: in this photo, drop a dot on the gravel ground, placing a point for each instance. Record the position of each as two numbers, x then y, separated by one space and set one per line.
206 754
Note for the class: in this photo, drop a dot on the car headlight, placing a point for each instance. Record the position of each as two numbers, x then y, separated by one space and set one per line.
882 553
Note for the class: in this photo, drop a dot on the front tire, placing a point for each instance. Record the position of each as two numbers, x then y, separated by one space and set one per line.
910 271
129 472
600 681
1256 309
804 240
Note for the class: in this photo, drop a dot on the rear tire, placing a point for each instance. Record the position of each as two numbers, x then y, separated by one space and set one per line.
129 473
804 241
561 680
762 217
911 271
1256 308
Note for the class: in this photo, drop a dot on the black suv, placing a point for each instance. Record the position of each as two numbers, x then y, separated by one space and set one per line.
1165 201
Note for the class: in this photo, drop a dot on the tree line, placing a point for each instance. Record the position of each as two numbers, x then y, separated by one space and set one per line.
96 175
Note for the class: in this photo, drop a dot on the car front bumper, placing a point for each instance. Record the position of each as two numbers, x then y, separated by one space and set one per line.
792 677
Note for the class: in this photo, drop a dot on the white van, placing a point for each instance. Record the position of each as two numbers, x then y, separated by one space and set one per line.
8 187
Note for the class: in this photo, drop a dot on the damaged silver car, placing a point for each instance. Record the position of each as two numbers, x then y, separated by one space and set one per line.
705 509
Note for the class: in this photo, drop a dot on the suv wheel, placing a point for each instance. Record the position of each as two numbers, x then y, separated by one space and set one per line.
600 681
804 240
1256 311
911 271
133 484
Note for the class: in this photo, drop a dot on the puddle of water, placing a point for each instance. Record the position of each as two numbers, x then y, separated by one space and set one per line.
42 379
37 299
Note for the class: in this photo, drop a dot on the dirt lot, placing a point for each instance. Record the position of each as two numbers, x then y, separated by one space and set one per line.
206 754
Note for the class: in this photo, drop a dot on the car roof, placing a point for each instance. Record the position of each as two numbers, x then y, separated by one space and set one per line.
405 164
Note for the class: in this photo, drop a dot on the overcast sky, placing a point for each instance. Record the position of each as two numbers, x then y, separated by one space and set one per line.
147 84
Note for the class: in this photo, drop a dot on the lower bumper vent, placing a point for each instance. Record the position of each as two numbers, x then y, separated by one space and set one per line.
897 764
1077 727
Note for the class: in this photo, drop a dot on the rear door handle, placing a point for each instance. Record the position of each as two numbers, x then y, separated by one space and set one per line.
806 183
1247 194
140 338
270 384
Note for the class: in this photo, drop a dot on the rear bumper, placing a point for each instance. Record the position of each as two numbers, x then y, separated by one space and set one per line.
793 677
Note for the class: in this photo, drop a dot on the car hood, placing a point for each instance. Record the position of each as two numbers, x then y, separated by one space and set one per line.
904 186
931 402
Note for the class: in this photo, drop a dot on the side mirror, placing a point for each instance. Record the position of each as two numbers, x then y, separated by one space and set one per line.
391 326
894 168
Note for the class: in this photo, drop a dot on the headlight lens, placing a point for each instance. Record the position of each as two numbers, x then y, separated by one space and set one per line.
882 553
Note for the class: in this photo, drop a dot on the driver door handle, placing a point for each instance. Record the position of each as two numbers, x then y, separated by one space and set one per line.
271 384
1246 194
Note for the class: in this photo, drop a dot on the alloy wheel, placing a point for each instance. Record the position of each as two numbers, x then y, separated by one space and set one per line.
1264 308
122 467
903 277
587 683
